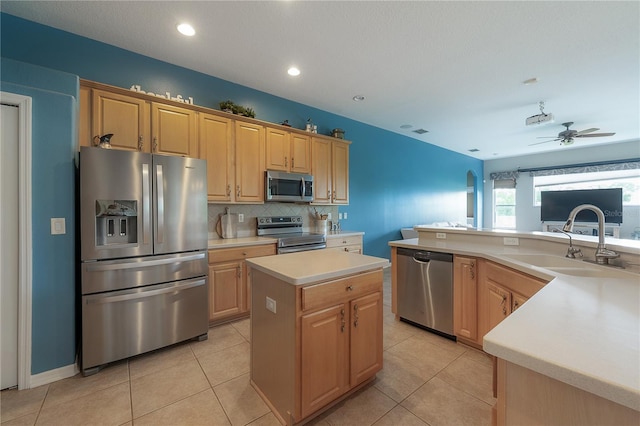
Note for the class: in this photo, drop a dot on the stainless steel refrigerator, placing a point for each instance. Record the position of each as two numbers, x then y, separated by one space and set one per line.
143 227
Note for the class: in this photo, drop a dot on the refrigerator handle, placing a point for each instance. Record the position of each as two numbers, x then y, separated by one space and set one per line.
146 206
160 202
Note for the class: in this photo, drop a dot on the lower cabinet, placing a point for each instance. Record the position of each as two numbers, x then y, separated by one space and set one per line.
229 293
351 243
307 355
501 291
465 298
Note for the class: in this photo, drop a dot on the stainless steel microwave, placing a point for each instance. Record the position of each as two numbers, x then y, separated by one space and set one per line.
288 187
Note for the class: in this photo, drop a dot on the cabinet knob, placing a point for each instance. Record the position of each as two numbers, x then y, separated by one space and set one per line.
292 162
285 162
155 144
228 190
140 143
238 190
350 288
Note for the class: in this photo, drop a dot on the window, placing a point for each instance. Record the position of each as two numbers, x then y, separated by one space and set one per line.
504 203
628 180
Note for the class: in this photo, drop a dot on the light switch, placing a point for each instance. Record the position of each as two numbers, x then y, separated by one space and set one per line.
58 226
271 305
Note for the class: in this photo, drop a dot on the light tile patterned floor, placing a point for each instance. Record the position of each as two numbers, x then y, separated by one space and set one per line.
426 380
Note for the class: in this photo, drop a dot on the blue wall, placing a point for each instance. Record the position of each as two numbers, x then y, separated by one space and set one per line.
395 181
53 96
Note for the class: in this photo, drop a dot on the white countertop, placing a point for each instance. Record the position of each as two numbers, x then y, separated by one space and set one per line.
239 242
317 265
583 331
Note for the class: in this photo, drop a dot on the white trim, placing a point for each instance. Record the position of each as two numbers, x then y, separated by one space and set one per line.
24 235
54 375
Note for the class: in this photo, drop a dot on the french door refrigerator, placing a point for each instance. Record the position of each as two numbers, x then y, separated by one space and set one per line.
143 253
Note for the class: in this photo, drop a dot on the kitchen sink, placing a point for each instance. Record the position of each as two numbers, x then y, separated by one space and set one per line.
566 266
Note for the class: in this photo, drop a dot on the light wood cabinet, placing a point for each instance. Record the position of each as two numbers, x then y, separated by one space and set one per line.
229 292
322 341
465 298
287 152
216 146
501 290
330 169
136 123
126 117
351 243
173 130
249 165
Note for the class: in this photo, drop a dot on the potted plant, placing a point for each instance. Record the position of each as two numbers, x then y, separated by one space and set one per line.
238 109
227 106
249 112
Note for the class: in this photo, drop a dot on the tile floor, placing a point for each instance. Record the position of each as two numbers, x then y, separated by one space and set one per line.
426 380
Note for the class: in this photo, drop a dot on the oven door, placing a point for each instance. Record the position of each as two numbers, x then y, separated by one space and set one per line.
289 187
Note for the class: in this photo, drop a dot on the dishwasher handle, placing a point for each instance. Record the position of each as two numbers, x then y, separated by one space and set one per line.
425 256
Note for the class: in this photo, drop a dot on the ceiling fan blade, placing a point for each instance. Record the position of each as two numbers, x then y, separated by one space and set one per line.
591 130
547 137
539 143
595 135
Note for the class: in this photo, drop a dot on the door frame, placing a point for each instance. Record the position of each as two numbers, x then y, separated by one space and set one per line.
25 260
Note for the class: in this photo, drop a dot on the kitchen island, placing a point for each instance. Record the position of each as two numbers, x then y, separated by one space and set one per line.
316 329
571 353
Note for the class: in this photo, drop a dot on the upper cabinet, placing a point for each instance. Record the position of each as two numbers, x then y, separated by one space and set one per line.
249 145
136 124
330 169
173 130
126 117
216 146
287 152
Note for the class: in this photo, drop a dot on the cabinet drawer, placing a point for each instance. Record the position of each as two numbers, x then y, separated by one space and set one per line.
517 281
319 295
239 253
344 241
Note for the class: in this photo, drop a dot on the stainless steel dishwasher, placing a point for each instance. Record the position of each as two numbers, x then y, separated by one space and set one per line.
425 290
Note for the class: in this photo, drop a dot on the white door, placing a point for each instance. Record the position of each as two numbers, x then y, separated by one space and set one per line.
9 246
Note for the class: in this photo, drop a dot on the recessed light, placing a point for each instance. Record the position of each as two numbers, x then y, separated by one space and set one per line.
406 126
293 71
186 29
358 98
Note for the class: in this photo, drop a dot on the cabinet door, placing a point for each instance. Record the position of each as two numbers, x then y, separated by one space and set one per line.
226 294
216 146
340 173
300 153
249 162
324 338
498 305
321 170
366 338
127 118
174 130
277 150
465 298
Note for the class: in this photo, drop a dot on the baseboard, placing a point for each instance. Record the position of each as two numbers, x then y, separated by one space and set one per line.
53 375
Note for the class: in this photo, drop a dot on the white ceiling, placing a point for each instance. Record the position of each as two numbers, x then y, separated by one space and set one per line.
454 68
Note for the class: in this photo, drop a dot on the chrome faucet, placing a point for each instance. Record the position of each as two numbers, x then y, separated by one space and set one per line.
602 253
571 251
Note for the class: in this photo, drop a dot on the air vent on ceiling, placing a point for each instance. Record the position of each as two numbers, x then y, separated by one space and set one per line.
474 150
420 131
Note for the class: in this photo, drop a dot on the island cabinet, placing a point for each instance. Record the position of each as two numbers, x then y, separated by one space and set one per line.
465 299
137 124
330 169
502 290
313 345
229 292
287 151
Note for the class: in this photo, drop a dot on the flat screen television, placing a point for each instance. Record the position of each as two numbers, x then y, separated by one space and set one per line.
556 205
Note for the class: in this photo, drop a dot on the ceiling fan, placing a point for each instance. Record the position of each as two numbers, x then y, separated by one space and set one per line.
567 136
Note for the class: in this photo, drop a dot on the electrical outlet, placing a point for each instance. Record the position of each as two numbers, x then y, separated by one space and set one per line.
441 235
240 217
344 215
58 226
328 216
271 305
339 216
511 241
